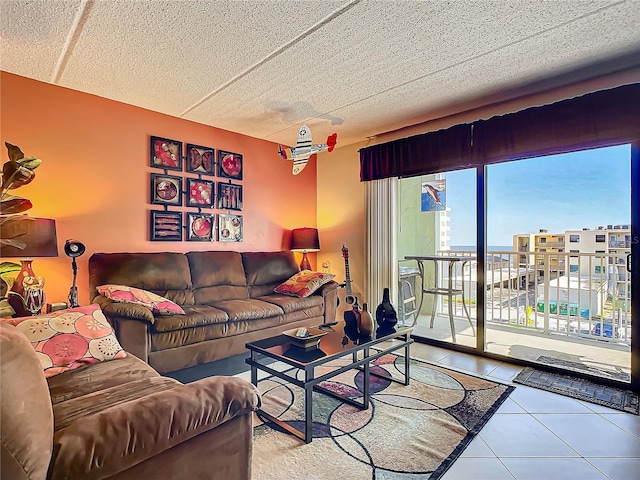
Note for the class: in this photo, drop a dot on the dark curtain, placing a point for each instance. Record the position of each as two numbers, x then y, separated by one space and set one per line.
604 118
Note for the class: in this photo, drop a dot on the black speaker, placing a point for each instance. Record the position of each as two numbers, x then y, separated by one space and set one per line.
73 248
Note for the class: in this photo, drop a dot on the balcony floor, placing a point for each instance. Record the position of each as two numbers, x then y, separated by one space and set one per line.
606 359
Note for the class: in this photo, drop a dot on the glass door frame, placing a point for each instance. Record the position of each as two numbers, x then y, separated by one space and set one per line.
481 253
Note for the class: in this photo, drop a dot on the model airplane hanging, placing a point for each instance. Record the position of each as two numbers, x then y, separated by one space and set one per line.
304 149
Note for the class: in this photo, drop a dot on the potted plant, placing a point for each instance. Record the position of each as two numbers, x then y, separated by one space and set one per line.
16 172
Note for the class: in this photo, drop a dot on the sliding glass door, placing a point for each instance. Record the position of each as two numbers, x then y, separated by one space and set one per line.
554 283
558 292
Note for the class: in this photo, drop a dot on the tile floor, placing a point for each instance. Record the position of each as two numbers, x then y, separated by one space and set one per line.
537 435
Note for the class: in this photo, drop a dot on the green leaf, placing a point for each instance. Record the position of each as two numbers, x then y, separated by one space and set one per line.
15 175
12 204
9 267
30 162
14 152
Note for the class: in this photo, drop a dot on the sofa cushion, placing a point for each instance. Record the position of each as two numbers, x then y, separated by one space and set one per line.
90 378
176 339
154 303
68 411
304 283
294 304
249 309
26 443
195 316
163 273
68 339
217 276
265 270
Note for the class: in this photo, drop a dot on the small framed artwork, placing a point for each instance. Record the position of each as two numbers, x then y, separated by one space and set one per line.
200 193
166 153
166 226
166 189
229 228
229 196
200 227
200 159
229 165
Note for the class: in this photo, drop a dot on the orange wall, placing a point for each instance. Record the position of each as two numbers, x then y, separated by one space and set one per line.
341 214
94 178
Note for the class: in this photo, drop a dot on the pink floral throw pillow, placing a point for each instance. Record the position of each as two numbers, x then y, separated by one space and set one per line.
303 283
157 304
69 339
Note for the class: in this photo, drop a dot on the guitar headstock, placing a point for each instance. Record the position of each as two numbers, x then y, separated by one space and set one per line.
345 252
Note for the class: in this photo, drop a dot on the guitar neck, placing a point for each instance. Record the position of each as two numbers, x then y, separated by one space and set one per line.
347 278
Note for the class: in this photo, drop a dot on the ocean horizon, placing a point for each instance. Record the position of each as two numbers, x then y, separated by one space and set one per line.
494 248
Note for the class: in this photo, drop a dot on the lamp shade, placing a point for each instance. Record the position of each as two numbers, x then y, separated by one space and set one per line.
37 234
305 240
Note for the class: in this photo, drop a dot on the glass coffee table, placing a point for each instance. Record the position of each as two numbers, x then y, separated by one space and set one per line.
334 345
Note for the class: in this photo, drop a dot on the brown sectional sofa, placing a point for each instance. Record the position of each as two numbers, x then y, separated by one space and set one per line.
118 419
227 296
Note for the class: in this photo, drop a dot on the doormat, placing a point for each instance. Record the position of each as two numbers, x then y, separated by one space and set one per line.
580 389
600 371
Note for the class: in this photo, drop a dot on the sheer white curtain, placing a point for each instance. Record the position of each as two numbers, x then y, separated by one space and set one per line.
381 236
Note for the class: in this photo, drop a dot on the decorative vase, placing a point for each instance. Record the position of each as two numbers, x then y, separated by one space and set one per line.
352 322
386 315
365 325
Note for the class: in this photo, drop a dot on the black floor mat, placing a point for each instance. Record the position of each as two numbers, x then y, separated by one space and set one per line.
580 389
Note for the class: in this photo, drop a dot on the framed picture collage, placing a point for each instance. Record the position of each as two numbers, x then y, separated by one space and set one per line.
203 178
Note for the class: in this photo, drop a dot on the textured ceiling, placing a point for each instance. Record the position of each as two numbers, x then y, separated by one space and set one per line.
359 68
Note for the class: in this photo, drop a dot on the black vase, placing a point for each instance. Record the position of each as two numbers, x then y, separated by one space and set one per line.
351 325
386 315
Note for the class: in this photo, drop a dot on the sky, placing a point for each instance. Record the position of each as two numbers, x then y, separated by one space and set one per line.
571 191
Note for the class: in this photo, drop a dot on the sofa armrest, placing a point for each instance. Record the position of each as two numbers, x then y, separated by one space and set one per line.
329 292
327 288
117 438
124 309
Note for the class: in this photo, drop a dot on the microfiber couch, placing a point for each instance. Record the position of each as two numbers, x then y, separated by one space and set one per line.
118 419
227 297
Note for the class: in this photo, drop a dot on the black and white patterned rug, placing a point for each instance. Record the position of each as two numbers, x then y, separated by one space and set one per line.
580 389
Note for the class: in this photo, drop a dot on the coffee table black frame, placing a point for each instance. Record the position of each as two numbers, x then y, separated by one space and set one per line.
281 348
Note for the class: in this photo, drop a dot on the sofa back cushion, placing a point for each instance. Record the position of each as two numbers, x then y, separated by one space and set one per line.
165 274
266 270
217 276
26 416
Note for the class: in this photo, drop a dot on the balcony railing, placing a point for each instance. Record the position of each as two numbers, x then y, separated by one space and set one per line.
590 300
620 244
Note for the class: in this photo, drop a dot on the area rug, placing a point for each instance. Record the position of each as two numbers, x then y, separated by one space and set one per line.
408 432
580 389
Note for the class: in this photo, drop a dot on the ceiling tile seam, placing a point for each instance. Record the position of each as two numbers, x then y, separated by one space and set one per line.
72 37
457 64
333 15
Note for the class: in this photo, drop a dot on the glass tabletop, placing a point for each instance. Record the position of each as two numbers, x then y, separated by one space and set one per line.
332 345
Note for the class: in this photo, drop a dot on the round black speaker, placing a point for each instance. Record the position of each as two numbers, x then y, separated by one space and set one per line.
73 248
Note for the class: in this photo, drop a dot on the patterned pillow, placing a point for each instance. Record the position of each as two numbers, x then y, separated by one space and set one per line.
157 304
303 283
69 339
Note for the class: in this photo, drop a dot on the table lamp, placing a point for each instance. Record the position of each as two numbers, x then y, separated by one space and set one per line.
305 240
39 237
